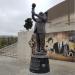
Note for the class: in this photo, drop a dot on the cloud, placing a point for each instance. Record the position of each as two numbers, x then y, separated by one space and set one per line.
14 12
12 15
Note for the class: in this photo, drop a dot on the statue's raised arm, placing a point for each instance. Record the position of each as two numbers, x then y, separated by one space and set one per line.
42 16
33 12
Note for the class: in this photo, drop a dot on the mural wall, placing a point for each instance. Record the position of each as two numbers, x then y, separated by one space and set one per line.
62 43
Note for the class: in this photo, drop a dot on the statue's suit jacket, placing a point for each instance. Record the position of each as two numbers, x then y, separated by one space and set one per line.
40 25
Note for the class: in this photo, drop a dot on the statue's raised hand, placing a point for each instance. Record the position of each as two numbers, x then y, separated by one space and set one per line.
33 5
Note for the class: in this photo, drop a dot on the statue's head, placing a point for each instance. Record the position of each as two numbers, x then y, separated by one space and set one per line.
41 13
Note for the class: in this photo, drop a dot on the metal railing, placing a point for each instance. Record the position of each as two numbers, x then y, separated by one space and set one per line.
9 50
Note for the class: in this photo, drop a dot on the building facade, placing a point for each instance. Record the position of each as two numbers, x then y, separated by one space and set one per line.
61 17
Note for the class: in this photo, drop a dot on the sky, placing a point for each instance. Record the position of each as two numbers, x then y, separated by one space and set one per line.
14 12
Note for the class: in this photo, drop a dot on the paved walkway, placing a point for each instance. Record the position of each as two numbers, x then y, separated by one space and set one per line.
10 66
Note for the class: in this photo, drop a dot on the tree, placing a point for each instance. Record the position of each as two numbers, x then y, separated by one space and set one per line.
6 41
28 23
3 42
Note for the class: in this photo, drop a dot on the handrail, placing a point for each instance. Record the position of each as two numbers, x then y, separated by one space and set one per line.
9 45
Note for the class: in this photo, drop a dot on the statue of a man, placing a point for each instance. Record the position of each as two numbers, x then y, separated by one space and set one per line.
39 29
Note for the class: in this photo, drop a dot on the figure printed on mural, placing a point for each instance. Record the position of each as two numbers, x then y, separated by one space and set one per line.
61 43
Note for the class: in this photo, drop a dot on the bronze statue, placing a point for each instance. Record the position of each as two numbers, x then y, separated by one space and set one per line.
39 29
39 61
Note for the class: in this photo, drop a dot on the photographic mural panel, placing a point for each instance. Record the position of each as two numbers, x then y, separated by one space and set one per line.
61 43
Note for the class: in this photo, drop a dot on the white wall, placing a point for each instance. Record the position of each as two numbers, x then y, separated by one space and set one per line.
23 48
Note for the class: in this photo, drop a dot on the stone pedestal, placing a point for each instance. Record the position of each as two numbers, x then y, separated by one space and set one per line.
39 64
23 48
